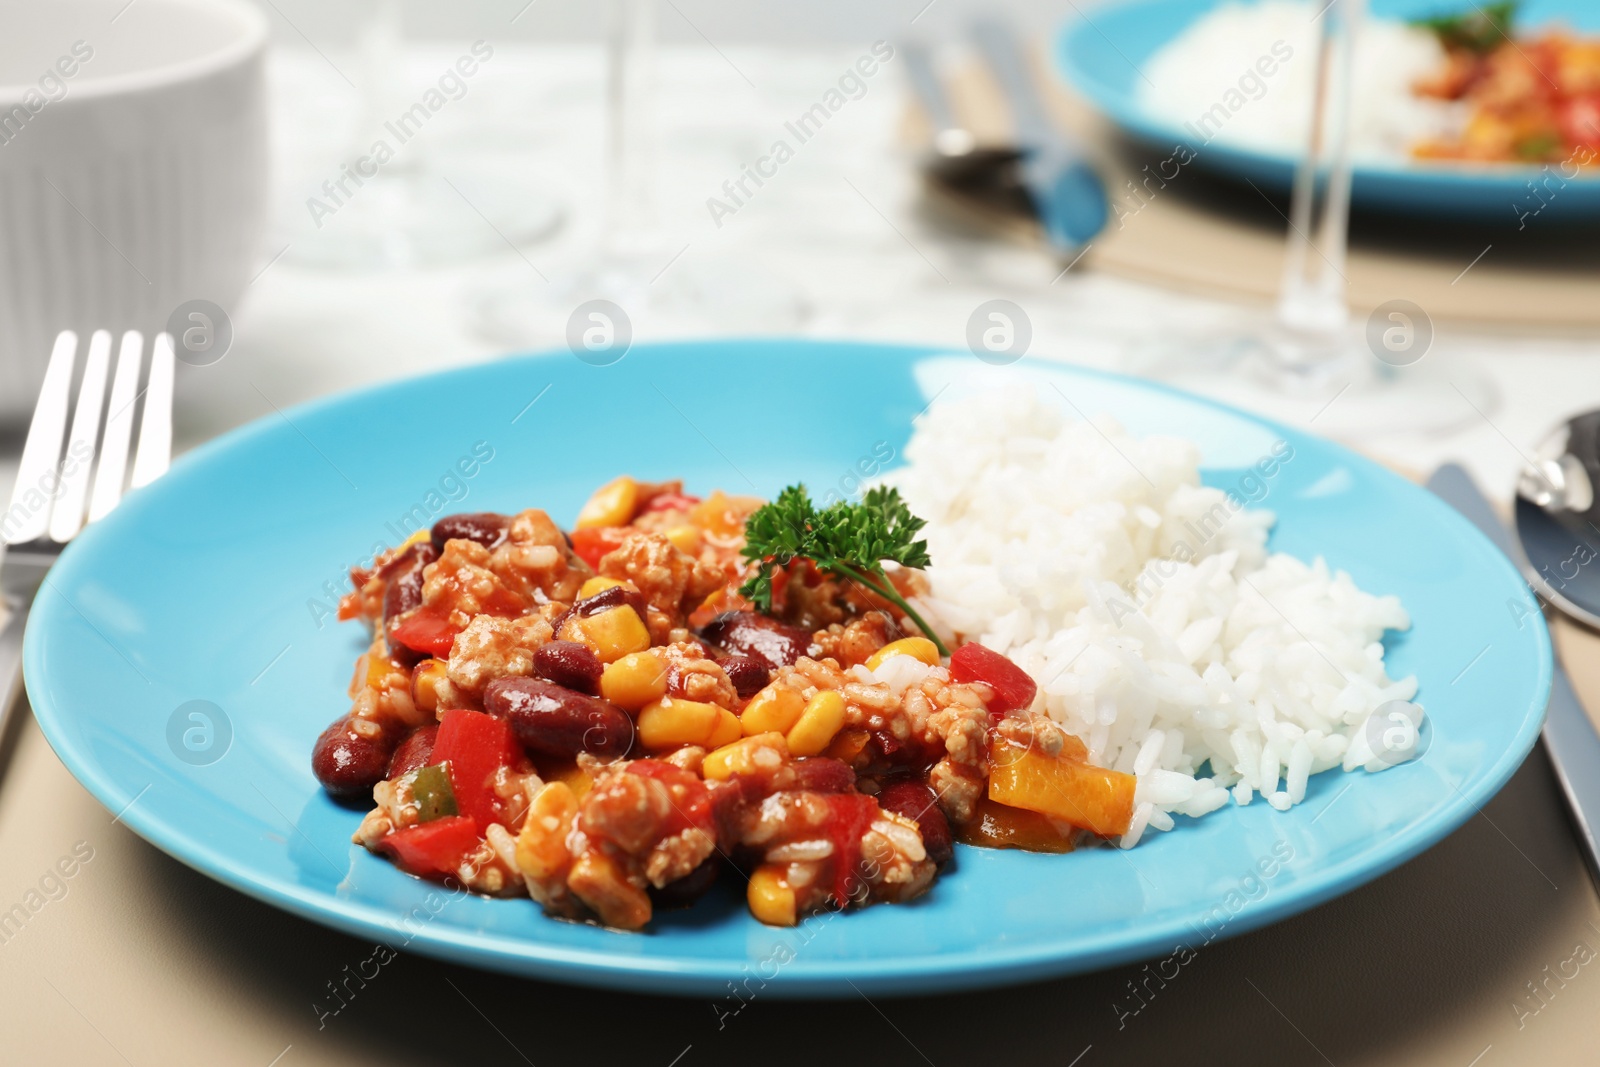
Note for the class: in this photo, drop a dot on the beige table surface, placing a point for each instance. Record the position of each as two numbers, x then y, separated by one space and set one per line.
146 962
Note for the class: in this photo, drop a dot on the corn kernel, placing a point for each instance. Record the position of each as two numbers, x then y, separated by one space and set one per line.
727 732
685 539
542 845
918 648
573 777
771 898
774 708
847 745
612 633
378 668
612 504
597 584
416 538
424 684
750 755
634 681
822 718
672 721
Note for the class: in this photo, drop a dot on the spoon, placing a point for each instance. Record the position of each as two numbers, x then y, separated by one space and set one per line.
1067 192
955 158
1558 520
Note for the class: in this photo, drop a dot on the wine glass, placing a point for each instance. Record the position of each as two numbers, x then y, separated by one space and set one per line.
632 269
412 211
1307 362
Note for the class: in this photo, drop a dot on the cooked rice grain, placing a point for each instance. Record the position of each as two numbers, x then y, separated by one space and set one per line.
1160 630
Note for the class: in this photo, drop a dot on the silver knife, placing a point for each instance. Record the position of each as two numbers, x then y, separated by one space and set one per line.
1569 735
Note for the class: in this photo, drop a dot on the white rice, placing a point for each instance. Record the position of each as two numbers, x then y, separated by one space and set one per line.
1160 630
1214 63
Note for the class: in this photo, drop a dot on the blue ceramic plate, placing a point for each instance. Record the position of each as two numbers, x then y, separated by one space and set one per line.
1102 59
216 584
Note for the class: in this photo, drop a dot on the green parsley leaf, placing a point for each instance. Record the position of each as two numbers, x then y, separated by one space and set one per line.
849 541
1480 29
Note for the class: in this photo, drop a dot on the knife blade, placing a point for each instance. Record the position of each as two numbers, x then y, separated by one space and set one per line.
1569 734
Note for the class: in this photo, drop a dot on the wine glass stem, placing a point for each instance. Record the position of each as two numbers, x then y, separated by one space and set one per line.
630 54
1311 303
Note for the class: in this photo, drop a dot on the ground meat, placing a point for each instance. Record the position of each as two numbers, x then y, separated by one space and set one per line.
812 606
791 830
632 830
491 647
461 583
961 725
535 561
677 855
492 869
855 642
893 860
601 882
629 809
672 583
693 675
1032 731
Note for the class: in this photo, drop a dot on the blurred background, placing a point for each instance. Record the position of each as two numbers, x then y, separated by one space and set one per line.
543 155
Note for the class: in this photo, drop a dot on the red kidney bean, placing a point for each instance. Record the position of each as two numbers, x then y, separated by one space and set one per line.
569 664
917 801
415 752
688 889
557 721
749 674
347 764
402 589
490 529
730 799
820 774
749 633
613 596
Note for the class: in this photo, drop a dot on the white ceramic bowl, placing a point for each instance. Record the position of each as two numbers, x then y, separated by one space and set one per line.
133 168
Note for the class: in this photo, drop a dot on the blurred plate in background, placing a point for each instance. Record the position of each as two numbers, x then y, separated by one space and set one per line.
1102 55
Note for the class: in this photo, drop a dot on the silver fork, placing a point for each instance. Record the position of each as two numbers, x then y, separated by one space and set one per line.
66 480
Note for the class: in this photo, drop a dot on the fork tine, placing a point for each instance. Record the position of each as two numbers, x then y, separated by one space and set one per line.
155 426
113 467
42 450
66 518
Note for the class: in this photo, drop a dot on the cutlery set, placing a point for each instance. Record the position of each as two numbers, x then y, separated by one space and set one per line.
1044 173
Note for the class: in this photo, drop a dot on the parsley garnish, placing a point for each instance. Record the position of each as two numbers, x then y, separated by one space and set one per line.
1480 30
851 541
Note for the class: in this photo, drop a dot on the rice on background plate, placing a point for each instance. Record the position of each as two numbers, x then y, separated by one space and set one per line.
1146 605
1242 73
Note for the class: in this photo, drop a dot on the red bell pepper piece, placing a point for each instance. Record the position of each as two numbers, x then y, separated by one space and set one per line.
436 847
476 746
692 802
852 815
1013 689
592 542
1580 120
426 630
